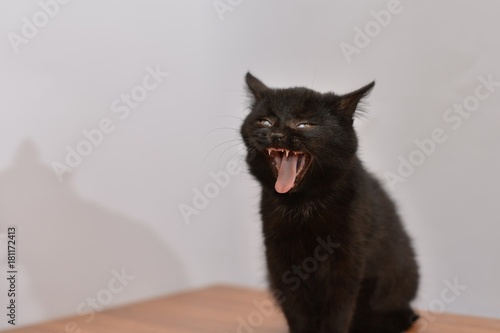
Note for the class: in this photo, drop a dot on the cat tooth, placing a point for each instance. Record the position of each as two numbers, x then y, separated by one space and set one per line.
286 152
300 164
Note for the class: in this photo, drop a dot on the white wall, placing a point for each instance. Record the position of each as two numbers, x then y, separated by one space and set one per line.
119 209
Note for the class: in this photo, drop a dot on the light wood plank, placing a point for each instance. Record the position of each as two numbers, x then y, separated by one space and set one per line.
224 309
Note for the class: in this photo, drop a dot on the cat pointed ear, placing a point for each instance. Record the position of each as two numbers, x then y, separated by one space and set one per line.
349 102
255 86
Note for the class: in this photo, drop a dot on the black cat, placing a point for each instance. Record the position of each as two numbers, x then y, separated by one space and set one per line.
302 149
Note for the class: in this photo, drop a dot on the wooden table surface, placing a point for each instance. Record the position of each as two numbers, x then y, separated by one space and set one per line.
222 309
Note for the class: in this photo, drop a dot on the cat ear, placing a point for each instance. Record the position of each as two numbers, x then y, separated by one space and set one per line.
255 86
349 102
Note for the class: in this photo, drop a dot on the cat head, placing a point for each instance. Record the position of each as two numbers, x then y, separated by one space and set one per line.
298 138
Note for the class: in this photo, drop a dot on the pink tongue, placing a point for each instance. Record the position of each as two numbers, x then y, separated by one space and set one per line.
286 173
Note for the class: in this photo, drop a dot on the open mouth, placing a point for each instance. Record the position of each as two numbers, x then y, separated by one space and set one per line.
288 166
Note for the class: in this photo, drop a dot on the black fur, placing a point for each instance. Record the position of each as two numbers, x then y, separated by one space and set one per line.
366 279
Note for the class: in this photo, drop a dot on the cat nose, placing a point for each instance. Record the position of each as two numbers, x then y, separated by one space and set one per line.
277 139
277 136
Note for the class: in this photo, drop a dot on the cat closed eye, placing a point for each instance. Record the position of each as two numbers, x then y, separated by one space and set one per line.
265 122
303 125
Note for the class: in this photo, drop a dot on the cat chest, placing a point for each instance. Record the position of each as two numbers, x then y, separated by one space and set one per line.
302 257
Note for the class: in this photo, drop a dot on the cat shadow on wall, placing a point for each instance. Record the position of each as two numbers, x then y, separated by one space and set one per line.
69 249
